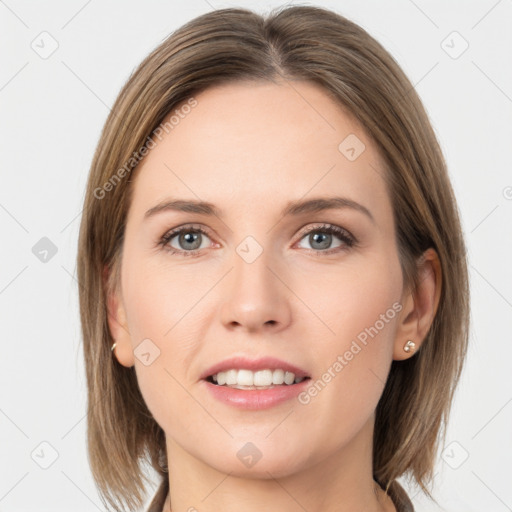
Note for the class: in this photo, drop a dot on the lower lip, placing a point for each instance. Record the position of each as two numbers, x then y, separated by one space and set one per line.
256 399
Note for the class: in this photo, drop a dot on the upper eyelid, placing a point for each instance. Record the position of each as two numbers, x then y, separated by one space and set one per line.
323 225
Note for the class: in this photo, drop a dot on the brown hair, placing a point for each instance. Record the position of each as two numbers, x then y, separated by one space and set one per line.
305 43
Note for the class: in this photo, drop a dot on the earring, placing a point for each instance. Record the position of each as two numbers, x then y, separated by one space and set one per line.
113 347
409 346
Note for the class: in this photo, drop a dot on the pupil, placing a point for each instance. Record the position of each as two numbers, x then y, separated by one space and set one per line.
190 238
325 240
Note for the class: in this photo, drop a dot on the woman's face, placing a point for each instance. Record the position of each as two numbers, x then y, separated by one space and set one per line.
265 285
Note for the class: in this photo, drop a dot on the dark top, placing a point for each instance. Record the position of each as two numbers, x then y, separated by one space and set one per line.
396 493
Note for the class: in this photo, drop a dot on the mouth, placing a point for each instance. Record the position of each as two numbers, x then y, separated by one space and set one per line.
245 379
254 384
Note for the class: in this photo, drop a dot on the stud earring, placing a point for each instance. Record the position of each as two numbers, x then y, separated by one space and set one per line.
409 346
113 347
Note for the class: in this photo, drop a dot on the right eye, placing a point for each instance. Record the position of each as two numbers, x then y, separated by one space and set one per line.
185 240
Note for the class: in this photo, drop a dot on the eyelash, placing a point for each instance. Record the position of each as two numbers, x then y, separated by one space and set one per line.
341 233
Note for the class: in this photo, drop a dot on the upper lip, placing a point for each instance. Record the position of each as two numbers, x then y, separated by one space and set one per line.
244 363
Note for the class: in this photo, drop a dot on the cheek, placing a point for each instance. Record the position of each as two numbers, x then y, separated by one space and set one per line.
360 306
158 327
161 305
158 297
356 300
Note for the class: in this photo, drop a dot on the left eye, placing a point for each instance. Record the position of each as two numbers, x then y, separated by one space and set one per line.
321 238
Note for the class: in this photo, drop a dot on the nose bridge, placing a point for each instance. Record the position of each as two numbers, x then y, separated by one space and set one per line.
254 296
251 267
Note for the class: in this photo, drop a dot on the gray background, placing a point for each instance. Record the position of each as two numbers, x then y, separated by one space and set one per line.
52 110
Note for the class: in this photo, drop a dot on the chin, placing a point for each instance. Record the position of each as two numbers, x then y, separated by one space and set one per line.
259 459
261 470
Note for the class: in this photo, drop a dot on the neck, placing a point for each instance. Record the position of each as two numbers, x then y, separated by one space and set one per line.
340 482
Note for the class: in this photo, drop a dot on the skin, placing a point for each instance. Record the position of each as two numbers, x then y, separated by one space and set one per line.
249 148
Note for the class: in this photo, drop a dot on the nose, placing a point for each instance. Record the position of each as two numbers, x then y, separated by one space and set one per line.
256 296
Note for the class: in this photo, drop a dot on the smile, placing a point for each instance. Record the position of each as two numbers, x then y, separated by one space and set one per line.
261 379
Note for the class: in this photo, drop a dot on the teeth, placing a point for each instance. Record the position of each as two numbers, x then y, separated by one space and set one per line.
263 378
260 378
231 377
289 378
245 378
278 377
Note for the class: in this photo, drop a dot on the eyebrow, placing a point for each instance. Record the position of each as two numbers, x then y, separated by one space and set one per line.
294 208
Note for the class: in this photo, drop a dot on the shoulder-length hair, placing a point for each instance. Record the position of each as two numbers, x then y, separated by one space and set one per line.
305 43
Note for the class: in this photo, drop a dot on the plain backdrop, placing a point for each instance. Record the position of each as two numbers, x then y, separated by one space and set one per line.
63 64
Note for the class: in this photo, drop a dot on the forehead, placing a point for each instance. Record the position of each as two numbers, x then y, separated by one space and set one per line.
252 143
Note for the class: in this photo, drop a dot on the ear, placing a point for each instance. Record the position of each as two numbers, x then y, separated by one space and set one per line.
419 306
117 324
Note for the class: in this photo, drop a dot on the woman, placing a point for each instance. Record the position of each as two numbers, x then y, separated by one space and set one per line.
274 297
